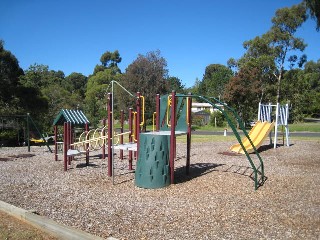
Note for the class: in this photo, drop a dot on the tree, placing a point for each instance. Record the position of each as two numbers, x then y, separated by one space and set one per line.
76 83
97 88
312 77
147 75
270 51
314 9
109 60
14 97
10 72
174 83
243 92
215 78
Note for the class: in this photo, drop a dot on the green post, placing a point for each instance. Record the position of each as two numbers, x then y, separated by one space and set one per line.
28 132
152 169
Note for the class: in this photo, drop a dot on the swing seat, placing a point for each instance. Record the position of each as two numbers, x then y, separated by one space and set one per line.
73 152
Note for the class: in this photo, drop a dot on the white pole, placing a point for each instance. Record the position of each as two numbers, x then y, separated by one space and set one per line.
112 123
287 124
259 111
276 126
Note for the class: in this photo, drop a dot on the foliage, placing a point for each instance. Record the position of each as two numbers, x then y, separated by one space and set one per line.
174 84
147 75
8 137
109 60
217 119
76 83
214 80
9 81
243 93
269 52
197 120
314 9
96 99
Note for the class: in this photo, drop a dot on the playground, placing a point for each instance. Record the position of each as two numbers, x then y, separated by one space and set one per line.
162 185
216 201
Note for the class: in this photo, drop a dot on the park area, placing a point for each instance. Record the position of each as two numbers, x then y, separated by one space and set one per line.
216 201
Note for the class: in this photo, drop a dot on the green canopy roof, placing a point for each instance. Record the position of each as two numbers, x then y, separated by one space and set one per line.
76 117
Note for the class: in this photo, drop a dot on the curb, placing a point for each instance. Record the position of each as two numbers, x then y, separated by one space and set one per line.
47 225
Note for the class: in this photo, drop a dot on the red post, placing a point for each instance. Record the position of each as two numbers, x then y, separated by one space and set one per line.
158 112
189 123
172 135
69 140
121 131
138 120
130 137
110 157
87 144
55 129
65 145
104 140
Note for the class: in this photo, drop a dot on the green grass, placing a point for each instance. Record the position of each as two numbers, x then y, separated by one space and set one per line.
295 127
206 138
305 127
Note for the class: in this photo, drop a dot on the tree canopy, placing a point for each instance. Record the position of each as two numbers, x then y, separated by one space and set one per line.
272 69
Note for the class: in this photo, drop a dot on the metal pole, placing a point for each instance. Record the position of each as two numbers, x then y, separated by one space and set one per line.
130 137
112 123
189 123
104 139
28 132
121 131
158 112
172 135
138 120
55 128
109 135
69 141
87 144
65 148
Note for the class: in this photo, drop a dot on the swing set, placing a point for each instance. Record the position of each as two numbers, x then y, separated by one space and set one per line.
28 123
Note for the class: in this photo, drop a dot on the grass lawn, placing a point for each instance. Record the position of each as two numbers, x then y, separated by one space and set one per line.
295 127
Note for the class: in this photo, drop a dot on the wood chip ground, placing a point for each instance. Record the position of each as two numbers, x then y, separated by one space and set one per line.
216 201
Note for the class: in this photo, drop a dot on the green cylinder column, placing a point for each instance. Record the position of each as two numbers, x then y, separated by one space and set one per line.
152 170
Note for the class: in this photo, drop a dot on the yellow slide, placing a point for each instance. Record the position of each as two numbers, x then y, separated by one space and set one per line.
257 134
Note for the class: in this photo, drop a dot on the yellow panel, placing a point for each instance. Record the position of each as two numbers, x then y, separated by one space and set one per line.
257 135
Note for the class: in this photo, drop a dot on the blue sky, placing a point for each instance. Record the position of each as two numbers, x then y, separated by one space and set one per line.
72 35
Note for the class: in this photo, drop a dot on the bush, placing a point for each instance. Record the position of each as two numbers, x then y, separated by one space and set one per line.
217 119
8 138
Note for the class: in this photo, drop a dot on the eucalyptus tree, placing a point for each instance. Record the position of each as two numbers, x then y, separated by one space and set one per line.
215 78
275 50
314 8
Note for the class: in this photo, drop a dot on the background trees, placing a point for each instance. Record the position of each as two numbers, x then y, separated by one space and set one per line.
148 75
215 78
272 69
9 81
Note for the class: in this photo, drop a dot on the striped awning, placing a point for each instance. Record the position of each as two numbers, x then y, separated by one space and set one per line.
75 117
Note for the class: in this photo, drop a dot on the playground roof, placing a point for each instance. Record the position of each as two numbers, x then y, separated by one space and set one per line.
76 117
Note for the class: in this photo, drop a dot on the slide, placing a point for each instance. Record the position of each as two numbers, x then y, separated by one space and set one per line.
257 134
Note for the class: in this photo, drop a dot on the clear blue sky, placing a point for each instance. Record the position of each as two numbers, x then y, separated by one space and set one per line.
71 35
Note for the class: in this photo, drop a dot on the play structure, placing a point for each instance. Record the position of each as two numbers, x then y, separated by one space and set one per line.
28 123
155 151
257 134
264 126
278 114
69 119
